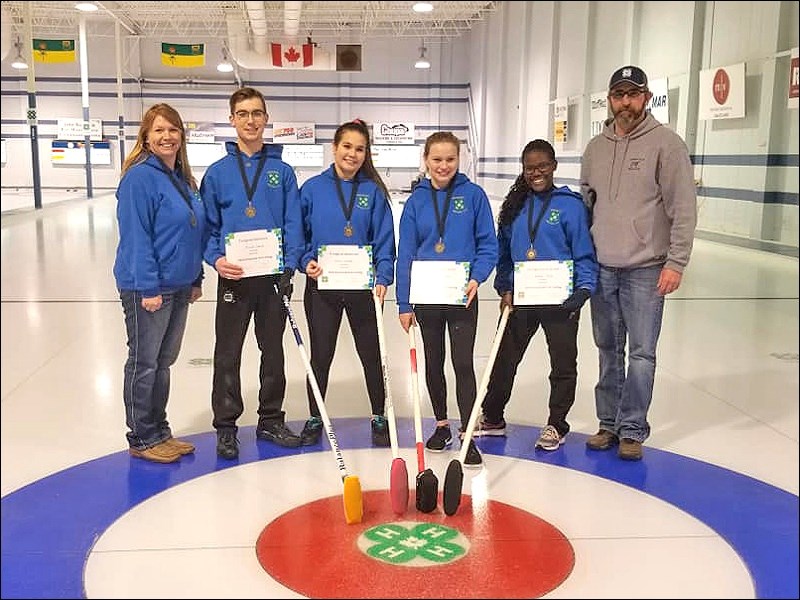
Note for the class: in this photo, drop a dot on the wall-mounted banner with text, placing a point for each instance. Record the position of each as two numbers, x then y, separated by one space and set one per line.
794 79
393 133
293 133
77 129
659 102
722 93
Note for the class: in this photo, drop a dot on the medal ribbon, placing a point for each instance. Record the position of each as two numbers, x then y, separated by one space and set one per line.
250 191
442 218
532 231
347 209
183 192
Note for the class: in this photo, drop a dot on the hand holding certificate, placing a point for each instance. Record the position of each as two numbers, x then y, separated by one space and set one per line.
345 267
258 252
439 282
542 282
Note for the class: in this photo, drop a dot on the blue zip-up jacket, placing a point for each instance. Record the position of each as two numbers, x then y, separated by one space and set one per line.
563 234
159 250
469 234
276 201
371 220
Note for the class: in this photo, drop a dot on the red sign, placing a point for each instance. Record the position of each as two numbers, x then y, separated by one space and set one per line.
721 86
794 78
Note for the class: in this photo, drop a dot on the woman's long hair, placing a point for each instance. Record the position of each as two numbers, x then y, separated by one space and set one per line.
515 199
368 167
141 150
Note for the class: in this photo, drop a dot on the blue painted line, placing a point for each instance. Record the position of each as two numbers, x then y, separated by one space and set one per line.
50 526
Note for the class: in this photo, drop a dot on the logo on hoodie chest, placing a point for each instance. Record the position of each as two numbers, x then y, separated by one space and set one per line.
459 206
273 179
635 164
362 201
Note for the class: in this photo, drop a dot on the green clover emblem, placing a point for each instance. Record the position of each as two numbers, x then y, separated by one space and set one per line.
273 178
424 543
362 201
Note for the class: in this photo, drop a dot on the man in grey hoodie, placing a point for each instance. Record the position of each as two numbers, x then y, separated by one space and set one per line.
638 181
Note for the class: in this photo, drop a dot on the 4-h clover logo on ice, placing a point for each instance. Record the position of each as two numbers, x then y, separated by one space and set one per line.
414 544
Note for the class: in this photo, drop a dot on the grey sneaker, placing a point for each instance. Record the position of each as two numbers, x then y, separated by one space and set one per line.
550 439
485 427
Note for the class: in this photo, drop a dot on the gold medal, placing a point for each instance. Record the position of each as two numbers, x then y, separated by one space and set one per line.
250 211
531 254
439 247
193 220
348 230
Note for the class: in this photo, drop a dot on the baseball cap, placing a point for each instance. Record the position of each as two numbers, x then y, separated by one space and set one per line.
628 74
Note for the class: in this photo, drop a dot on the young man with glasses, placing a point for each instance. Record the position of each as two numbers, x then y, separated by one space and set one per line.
251 191
637 179
546 226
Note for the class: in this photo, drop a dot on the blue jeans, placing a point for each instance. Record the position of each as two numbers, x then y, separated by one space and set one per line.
626 310
154 341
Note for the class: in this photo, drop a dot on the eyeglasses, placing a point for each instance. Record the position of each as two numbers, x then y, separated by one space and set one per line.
540 167
244 115
632 94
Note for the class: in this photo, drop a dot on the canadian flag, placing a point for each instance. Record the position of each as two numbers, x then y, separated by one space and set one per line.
292 56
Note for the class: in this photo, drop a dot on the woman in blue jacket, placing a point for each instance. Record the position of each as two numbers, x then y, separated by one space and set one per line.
539 221
158 271
347 204
446 218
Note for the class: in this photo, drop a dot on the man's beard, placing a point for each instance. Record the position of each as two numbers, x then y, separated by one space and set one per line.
628 118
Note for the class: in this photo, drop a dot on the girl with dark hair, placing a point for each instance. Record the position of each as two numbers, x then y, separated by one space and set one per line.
539 221
347 205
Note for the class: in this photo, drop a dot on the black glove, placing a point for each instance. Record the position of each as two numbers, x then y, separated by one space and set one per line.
574 303
285 287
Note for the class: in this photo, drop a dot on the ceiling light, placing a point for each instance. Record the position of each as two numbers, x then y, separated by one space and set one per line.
225 66
422 7
422 62
19 62
86 6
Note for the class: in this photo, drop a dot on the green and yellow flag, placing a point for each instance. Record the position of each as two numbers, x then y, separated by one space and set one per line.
54 51
183 55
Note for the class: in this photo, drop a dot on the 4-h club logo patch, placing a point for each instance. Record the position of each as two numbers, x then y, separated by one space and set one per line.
414 544
458 204
554 216
273 178
362 201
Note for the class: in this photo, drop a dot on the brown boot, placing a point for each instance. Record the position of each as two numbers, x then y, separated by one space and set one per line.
602 440
160 453
629 449
179 446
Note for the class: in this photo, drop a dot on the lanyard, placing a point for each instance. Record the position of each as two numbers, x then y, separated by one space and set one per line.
441 218
250 191
347 209
532 230
184 194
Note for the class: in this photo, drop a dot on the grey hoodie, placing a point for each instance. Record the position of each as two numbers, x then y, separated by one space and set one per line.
641 191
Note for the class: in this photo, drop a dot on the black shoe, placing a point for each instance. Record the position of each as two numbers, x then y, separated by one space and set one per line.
312 431
380 431
278 433
227 444
473 458
440 439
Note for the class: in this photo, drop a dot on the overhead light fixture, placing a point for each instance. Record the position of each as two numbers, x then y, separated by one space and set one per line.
19 62
422 7
422 62
86 6
225 66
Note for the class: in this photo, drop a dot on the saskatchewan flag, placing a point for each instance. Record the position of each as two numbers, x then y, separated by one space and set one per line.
54 51
183 55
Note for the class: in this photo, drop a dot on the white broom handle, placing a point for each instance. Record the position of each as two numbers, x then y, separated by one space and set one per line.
487 373
385 368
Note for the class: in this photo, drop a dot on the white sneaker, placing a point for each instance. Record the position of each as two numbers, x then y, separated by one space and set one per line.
549 439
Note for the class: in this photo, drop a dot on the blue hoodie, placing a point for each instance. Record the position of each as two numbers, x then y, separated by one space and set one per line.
469 234
276 201
563 234
371 219
159 250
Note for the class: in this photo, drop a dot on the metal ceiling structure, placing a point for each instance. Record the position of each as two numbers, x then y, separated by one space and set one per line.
323 21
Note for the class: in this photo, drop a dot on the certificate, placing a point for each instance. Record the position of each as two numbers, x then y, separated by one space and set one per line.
439 282
542 282
258 252
345 267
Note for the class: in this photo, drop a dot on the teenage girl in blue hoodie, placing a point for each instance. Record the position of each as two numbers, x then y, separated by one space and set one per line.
539 221
158 271
447 217
347 204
